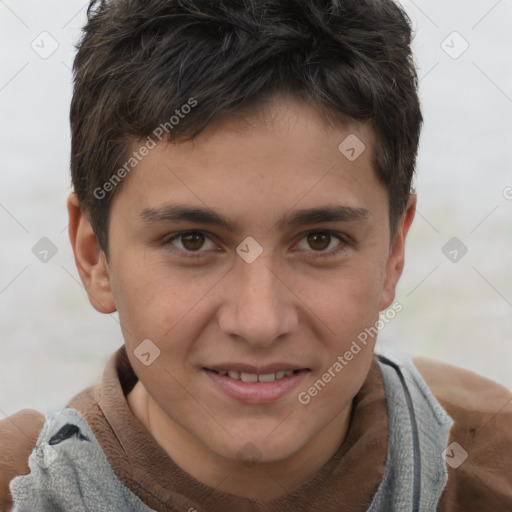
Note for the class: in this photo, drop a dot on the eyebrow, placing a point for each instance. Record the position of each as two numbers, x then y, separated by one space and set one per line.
176 212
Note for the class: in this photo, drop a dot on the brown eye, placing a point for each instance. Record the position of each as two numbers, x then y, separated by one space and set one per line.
323 243
192 241
319 241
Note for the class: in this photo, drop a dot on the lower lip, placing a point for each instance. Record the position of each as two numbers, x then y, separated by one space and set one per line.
257 392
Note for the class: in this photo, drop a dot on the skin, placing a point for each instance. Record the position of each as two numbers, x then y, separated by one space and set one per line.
291 304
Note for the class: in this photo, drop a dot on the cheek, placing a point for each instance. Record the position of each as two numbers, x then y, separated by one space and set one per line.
140 294
159 303
348 299
353 315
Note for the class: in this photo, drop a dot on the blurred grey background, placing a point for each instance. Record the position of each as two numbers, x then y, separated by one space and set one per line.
456 291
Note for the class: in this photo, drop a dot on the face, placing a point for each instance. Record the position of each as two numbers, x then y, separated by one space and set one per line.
257 248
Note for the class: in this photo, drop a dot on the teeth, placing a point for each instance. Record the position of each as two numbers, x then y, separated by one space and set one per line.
268 377
254 377
248 377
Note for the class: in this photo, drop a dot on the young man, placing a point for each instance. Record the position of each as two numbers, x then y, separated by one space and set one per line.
242 195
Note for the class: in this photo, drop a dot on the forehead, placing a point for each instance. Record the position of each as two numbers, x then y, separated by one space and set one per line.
282 153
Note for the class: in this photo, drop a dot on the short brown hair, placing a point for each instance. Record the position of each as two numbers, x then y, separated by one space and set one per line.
140 61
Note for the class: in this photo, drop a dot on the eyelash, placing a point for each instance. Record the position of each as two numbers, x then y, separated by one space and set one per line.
319 254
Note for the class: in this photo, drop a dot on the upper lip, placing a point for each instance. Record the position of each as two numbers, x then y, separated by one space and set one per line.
260 369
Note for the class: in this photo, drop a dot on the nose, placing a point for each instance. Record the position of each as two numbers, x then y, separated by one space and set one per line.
258 306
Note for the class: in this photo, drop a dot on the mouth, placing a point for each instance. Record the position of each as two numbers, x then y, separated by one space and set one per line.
255 377
264 387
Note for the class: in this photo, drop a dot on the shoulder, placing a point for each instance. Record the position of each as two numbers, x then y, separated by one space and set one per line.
479 453
462 389
18 435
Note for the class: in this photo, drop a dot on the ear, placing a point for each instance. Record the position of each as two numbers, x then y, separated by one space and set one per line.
90 259
396 258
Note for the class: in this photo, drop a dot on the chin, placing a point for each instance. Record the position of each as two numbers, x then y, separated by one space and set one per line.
254 450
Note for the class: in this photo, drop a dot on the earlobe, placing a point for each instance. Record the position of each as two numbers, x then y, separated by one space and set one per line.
396 259
90 259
